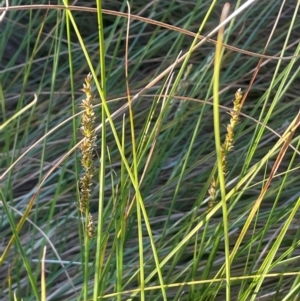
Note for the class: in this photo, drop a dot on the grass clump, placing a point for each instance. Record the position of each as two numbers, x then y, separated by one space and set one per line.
164 78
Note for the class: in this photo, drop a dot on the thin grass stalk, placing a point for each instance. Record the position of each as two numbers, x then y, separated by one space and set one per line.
20 112
9 284
72 90
135 169
99 244
43 276
219 151
74 121
120 229
19 246
139 203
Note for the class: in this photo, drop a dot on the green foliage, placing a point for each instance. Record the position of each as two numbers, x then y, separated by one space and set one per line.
171 138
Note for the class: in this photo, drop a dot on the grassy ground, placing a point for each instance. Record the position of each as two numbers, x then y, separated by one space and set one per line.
132 167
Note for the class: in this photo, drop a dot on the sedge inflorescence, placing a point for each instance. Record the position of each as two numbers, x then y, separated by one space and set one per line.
87 153
227 145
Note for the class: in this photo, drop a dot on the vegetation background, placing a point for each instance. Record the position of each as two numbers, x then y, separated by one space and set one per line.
176 214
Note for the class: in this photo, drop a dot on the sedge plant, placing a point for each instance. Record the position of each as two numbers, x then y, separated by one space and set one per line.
152 184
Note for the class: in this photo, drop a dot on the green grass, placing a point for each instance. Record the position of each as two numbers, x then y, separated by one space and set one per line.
177 215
